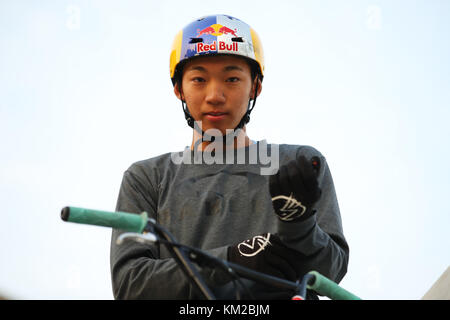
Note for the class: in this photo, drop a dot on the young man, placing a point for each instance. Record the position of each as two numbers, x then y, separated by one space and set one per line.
215 195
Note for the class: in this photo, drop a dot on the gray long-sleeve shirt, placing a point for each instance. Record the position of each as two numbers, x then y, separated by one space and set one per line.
213 206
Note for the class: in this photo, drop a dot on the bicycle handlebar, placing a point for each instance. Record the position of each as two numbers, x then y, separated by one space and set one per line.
138 222
119 220
326 287
135 223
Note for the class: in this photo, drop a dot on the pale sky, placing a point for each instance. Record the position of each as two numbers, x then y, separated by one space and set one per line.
85 92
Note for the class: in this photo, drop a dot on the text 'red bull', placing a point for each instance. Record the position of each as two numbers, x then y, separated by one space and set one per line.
201 47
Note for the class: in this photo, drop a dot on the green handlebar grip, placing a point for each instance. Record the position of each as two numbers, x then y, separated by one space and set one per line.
324 286
120 220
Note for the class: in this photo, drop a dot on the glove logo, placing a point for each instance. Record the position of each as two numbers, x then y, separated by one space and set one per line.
252 247
290 210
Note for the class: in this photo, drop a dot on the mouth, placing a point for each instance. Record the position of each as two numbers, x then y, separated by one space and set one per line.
215 116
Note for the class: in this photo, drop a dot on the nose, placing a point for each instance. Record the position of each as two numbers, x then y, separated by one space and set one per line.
215 93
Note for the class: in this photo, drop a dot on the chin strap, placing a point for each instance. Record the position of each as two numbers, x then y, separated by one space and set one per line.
187 115
245 119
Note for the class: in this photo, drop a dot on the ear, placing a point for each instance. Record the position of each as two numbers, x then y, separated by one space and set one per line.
178 92
258 82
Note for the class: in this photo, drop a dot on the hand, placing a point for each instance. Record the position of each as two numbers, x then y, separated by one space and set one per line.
294 189
267 254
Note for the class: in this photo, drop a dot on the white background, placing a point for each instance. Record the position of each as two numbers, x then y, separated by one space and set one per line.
85 92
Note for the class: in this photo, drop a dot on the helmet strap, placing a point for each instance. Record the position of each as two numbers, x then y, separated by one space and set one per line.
187 115
246 118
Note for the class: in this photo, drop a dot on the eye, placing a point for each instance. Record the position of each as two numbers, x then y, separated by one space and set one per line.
233 79
197 79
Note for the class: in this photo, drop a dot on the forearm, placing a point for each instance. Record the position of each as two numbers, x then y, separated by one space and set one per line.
145 278
320 238
326 253
138 273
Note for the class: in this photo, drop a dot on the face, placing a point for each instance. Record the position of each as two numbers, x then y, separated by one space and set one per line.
217 90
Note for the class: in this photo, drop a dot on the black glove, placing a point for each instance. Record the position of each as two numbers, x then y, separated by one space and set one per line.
267 254
295 189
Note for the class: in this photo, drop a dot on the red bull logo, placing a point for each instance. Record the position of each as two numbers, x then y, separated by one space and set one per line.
201 47
216 30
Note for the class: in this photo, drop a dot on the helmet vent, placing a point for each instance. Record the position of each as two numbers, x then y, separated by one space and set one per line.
196 40
237 39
